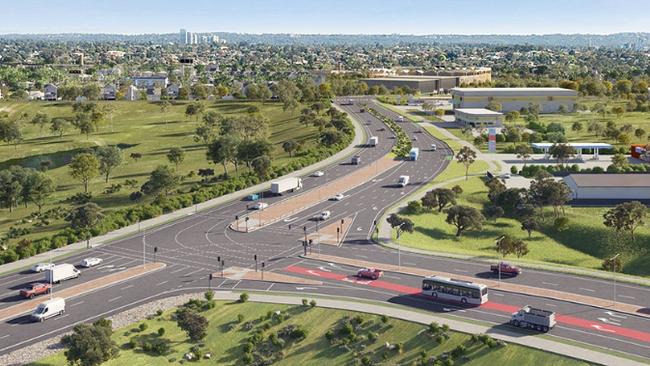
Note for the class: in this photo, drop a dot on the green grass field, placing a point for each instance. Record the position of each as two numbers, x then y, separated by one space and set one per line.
136 127
226 338
584 244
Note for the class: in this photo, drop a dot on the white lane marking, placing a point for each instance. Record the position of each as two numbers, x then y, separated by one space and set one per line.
627 297
324 269
305 288
551 305
161 283
587 289
497 294
5 336
550 284
77 303
290 219
607 321
269 289
238 282
178 270
126 287
312 273
193 272
115 299
460 270
394 277
614 315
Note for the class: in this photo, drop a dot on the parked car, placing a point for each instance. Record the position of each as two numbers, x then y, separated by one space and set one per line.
91 262
318 173
36 289
323 216
338 197
41 267
48 309
506 269
260 206
371 273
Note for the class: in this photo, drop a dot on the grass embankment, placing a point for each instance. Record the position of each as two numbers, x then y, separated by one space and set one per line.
584 244
136 127
226 339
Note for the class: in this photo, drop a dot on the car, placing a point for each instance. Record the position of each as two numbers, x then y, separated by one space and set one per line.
35 289
91 262
433 147
260 206
41 267
371 273
506 269
318 173
382 129
338 197
323 216
505 176
415 138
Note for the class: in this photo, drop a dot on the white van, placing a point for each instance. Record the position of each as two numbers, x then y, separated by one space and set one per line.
48 309
403 180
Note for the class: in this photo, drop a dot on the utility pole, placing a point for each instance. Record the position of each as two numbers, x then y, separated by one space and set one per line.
255 258
318 237
246 220
338 232
155 250
237 221
210 282
304 230
612 260
263 265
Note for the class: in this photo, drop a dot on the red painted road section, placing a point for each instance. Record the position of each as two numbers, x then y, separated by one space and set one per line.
504 308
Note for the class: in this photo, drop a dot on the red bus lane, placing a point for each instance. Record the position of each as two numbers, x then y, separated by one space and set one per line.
491 305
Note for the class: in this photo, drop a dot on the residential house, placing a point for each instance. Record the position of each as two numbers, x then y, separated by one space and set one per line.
109 92
50 92
153 94
172 91
35 95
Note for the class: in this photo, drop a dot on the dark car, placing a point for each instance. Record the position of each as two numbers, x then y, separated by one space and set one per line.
371 273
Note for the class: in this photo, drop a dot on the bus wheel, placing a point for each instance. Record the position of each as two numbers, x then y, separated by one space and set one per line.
463 301
515 323
545 329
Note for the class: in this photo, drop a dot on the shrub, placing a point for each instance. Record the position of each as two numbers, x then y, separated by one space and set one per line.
240 318
209 295
243 297
312 303
561 223
161 331
384 319
514 170
159 312
305 302
143 327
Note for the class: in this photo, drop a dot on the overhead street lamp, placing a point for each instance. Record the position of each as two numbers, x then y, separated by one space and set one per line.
613 262
399 251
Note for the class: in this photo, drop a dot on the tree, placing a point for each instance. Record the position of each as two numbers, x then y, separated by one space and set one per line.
10 189
288 94
164 108
249 150
195 325
524 152
562 152
109 157
613 264
58 126
466 156
529 224
639 133
329 138
618 111
176 155
619 160
494 212
506 244
576 126
222 151
11 132
546 191
289 146
90 345
40 119
262 166
84 167
512 116
84 123
195 110
627 216
442 197
85 217
41 186
464 218
161 181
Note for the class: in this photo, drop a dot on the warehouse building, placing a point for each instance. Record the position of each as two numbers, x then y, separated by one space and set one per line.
609 187
549 100
473 117
425 84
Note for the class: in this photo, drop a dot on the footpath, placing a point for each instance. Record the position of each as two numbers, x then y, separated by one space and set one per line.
359 138
537 341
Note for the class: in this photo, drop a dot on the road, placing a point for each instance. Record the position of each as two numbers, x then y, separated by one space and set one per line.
192 247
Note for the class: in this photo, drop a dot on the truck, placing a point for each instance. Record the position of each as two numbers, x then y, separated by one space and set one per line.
414 153
356 160
533 318
403 180
48 309
61 272
285 185
373 141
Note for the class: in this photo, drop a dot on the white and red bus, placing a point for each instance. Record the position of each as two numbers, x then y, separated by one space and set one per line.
450 289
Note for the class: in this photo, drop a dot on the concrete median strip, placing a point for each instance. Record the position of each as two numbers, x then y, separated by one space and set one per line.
329 235
238 273
81 289
507 287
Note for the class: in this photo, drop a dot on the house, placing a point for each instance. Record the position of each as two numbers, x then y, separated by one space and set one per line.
50 92
35 95
132 93
150 80
609 187
109 92
172 91
153 94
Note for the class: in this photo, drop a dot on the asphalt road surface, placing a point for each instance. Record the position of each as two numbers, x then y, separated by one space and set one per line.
191 248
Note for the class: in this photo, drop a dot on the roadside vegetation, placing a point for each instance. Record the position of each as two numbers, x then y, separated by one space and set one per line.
244 333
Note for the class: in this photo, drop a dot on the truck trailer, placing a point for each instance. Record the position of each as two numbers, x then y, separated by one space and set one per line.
533 318
373 141
285 185
61 272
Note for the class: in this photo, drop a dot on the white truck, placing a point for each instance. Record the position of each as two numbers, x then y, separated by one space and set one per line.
403 180
400 118
48 309
285 185
356 160
533 318
61 272
373 141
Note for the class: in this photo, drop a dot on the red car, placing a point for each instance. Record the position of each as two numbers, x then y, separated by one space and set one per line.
506 269
371 273
36 289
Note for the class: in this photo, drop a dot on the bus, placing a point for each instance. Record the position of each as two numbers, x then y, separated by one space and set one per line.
464 292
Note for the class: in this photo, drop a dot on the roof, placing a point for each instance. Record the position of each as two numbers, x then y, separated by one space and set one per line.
408 78
514 91
611 180
583 145
478 111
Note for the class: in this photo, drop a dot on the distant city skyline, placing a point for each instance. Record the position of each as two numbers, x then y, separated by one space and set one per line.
331 17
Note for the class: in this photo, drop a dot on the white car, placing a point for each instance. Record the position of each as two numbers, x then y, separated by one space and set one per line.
338 197
91 262
433 147
323 216
260 206
318 173
505 176
41 267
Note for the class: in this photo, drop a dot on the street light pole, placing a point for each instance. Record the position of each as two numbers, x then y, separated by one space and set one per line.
613 263
318 236
144 252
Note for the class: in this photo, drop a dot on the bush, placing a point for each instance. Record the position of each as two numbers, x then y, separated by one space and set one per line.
240 318
161 331
384 319
312 303
209 295
305 302
159 312
143 327
561 223
243 297
413 207
514 170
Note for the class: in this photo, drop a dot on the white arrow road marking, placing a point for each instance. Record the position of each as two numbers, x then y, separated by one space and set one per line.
332 265
312 273
359 228
614 315
324 269
351 280
448 310
305 288
107 266
603 329
290 219
374 208
607 321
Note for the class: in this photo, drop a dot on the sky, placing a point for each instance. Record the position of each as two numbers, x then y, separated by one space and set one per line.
326 17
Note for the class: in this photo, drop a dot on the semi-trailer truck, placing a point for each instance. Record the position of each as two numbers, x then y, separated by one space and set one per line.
61 272
285 185
533 318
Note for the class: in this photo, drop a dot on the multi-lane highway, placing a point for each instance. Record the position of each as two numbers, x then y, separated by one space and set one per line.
191 248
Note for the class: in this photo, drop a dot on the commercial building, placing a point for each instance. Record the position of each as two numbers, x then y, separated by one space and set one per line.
549 100
425 84
473 117
609 187
466 76
580 147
